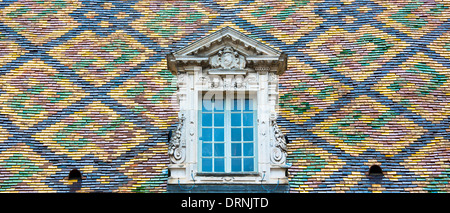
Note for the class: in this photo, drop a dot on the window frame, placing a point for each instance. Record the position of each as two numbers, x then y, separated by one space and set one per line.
228 97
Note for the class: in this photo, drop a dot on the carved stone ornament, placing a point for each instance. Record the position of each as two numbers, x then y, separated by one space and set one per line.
176 149
216 82
227 58
279 150
239 82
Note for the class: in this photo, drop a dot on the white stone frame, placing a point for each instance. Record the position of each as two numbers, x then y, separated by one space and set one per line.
227 61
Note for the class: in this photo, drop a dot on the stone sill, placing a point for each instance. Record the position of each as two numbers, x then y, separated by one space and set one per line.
223 174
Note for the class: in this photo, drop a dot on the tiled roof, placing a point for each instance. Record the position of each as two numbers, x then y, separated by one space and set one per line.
84 85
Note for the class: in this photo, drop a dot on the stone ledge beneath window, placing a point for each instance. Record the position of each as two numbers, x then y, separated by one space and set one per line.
220 174
229 188
228 179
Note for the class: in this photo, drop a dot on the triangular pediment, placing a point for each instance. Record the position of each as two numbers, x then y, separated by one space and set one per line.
227 36
227 43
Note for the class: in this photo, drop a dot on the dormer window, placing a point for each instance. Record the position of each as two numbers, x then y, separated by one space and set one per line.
227 131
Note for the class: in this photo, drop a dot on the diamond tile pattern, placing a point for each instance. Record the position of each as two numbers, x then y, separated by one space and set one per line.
100 59
355 54
9 50
287 21
35 91
84 85
171 21
95 130
40 21
413 17
365 124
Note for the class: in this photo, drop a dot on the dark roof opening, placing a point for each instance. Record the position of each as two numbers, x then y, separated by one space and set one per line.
286 138
375 170
75 175
169 136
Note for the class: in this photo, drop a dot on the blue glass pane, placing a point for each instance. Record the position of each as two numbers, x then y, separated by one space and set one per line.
218 105
235 119
248 149
218 134
206 134
236 105
248 165
219 165
248 105
248 119
236 149
236 165
218 119
206 119
206 164
235 134
248 134
207 149
206 106
219 150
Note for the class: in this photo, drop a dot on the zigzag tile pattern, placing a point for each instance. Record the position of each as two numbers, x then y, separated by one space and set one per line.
84 86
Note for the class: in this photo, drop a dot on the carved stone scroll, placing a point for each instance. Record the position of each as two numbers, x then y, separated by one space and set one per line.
176 147
279 150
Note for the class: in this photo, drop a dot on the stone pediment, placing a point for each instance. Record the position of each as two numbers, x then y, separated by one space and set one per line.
228 51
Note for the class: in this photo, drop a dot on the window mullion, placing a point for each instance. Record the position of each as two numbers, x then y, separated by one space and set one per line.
227 126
